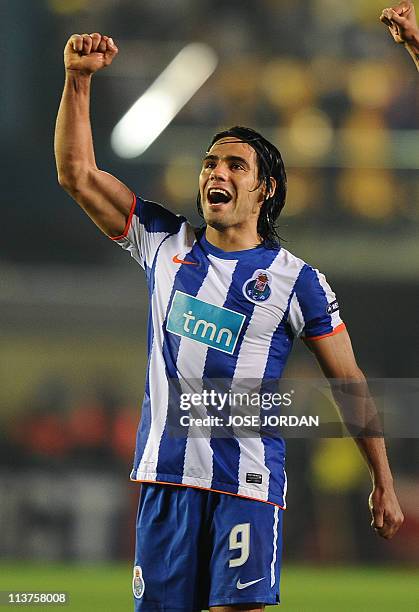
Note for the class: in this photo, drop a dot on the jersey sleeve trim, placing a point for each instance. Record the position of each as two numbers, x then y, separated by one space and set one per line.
337 330
129 220
178 484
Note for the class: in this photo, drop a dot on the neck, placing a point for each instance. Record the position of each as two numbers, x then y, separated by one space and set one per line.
231 239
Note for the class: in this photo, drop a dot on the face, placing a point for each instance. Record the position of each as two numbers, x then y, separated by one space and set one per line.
228 184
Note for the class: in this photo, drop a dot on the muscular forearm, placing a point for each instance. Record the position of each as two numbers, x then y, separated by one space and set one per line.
412 48
387 516
74 150
360 415
374 452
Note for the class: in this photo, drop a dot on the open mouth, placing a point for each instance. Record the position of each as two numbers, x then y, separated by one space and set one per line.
216 195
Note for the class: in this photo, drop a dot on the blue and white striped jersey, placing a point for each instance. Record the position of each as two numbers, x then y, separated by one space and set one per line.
217 315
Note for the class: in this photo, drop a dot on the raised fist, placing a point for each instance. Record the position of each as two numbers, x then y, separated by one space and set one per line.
88 53
401 21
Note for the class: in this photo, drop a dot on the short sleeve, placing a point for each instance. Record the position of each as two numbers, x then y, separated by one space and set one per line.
148 225
314 309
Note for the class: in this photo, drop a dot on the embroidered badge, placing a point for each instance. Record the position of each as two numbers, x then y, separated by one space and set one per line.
138 585
257 289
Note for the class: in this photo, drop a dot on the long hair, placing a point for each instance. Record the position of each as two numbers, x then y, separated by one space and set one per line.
270 164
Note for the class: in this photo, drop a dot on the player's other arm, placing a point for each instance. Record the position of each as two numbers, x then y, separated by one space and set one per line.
105 199
337 360
401 21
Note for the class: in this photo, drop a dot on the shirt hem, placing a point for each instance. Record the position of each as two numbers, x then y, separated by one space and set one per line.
340 328
246 494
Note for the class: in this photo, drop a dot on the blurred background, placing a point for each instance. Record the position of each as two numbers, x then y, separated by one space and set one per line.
325 82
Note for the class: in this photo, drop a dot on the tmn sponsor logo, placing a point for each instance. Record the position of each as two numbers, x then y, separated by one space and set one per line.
215 326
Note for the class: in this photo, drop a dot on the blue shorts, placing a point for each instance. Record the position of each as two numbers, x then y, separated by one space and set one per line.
198 548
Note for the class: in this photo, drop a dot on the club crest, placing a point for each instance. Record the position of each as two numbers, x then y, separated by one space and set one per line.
257 289
138 585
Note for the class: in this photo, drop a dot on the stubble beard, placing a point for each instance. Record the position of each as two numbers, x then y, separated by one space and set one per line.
217 225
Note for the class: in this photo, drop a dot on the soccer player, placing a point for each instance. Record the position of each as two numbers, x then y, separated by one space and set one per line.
401 21
226 302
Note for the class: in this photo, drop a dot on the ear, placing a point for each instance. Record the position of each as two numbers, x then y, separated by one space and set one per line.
272 188
264 194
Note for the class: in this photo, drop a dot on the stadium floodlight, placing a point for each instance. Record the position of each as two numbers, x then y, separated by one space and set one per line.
158 106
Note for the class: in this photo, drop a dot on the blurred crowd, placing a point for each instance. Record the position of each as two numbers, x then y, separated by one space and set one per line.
57 429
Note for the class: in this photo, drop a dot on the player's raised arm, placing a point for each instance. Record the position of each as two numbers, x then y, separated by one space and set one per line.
337 360
104 198
401 21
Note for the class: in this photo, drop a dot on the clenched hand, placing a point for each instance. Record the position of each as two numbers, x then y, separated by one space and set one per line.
386 513
401 21
88 53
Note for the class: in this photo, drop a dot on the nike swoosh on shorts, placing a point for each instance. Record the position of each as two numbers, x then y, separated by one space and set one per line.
244 585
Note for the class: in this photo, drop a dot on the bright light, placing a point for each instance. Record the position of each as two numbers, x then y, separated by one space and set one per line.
157 107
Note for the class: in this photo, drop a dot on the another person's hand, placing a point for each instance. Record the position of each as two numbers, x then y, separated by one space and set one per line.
387 516
401 21
88 53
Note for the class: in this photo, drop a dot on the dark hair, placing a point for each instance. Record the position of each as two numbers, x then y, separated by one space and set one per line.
269 164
